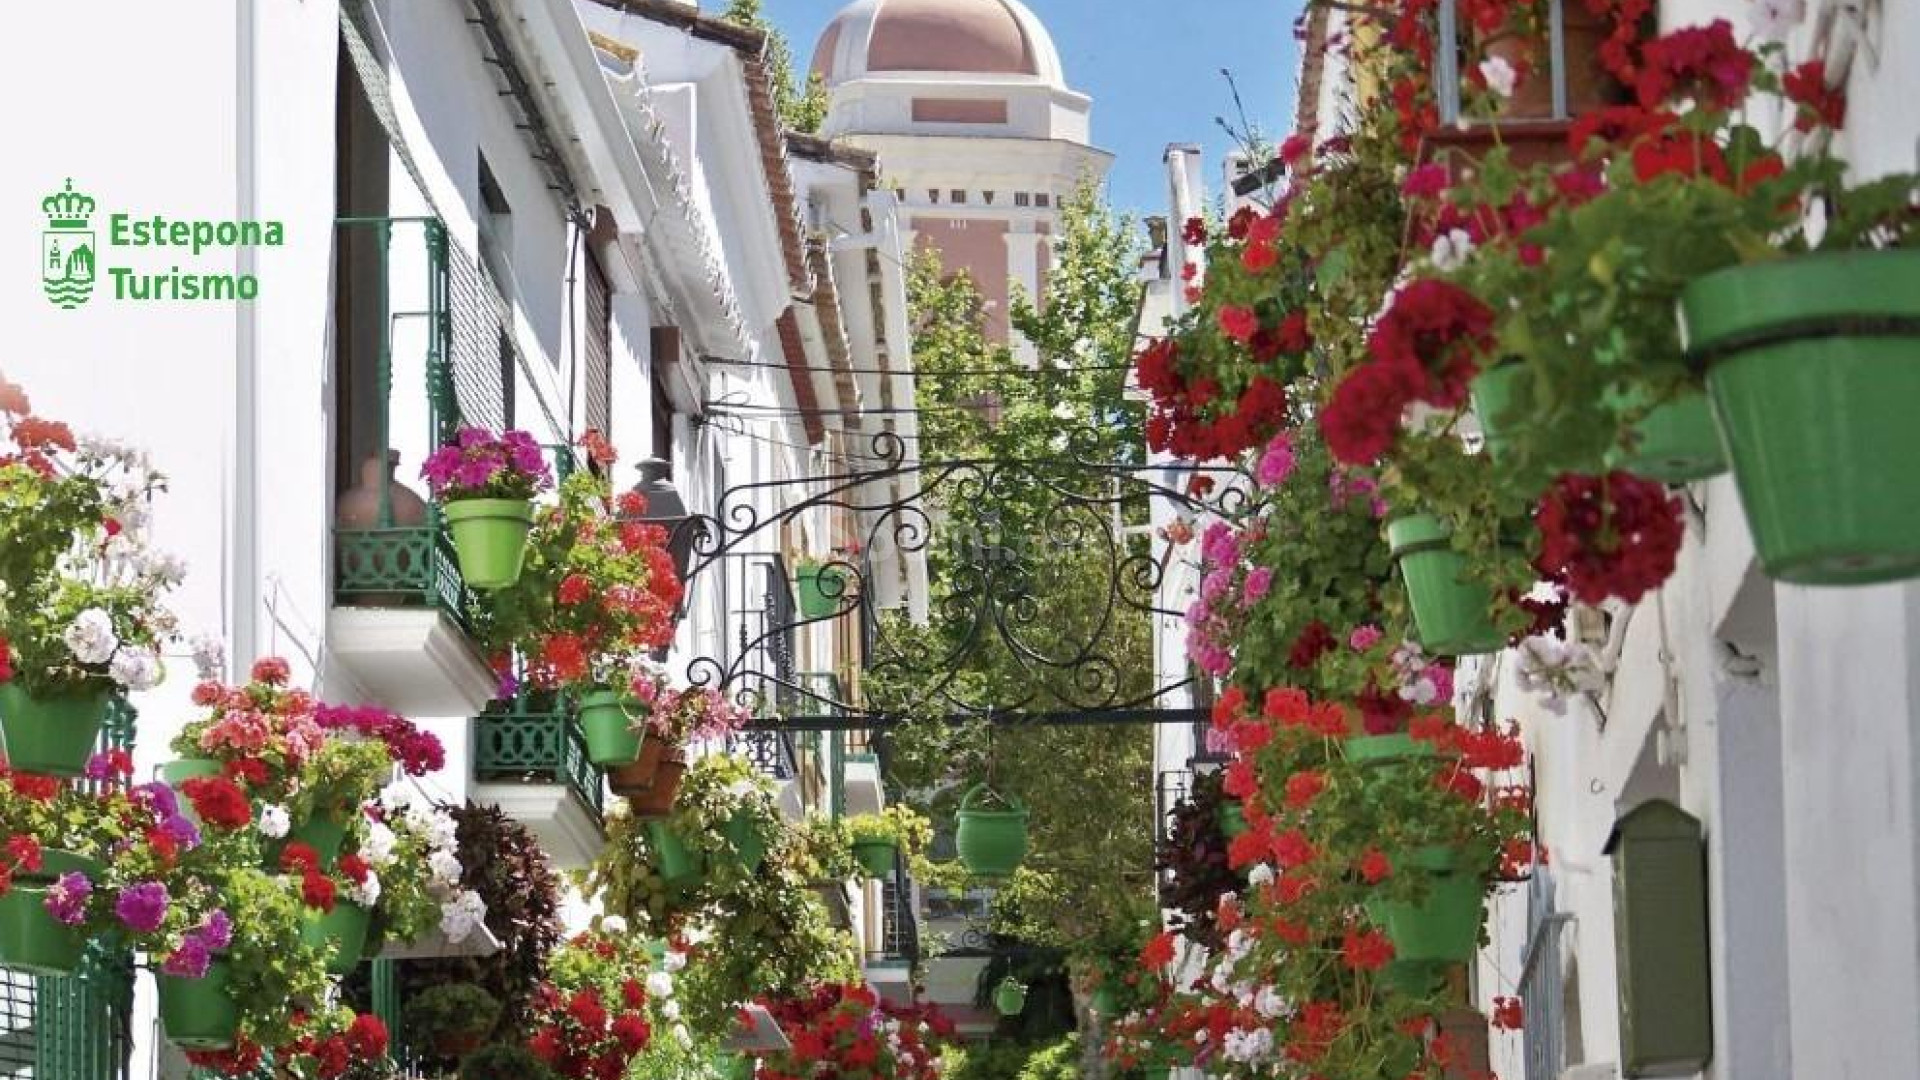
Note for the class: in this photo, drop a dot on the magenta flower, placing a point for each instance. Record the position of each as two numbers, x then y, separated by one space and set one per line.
67 898
479 465
189 961
1364 637
142 907
1276 462
1259 581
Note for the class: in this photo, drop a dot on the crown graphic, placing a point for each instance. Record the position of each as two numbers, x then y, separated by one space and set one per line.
67 209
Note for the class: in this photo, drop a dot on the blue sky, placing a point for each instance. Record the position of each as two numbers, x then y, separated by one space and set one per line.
1153 68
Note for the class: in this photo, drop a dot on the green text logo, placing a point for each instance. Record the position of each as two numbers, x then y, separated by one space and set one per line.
66 248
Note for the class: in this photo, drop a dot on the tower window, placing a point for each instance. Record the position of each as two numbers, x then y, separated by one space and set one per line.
1042 199
958 195
1021 198
987 196
933 195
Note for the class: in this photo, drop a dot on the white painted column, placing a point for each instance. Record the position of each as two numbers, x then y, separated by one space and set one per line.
1023 273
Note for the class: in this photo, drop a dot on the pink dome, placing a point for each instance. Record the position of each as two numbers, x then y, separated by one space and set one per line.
964 37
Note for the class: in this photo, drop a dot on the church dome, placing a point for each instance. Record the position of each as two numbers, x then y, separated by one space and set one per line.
945 37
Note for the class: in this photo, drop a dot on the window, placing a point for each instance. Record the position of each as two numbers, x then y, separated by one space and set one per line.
933 195
1042 199
987 196
1021 198
959 195
496 228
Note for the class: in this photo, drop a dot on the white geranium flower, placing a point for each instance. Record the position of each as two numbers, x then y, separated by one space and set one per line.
274 821
674 960
1500 75
1247 1045
670 1010
1451 249
682 1036
613 926
1773 20
209 657
659 984
378 846
1261 874
366 893
461 916
445 867
1269 1003
136 669
90 637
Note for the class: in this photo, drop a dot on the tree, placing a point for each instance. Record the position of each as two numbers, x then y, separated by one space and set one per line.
801 108
1089 868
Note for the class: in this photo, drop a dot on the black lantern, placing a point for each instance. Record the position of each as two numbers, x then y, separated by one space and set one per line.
666 509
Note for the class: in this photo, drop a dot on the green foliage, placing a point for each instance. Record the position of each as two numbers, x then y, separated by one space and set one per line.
820 850
504 1061
276 975
1060 1061
899 825
450 1009
802 108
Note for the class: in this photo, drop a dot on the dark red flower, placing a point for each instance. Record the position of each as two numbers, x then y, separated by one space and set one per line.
1820 105
367 1037
1702 62
1615 535
1362 420
317 891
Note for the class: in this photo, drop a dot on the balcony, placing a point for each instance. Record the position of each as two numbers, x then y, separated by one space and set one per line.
405 384
530 760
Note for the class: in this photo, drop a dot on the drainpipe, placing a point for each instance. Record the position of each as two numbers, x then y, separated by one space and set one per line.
243 557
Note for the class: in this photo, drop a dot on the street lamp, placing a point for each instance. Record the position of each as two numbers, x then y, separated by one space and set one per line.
666 509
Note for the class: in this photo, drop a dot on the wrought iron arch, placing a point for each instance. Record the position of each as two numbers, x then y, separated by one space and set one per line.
998 586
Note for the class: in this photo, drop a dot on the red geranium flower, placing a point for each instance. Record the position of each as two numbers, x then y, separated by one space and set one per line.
219 802
1366 950
317 891
1703 62
1614 535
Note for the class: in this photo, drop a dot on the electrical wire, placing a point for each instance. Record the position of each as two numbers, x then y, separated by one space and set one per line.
961 373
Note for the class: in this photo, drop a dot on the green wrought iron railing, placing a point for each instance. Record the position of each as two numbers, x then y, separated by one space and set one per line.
535 739
391 563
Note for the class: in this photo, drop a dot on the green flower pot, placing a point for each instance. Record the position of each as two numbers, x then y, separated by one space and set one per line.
324 833
1813 365
1385 749
1444 927
1009 998
1412 978
1493 392
1452 614
876 857
822 589
749 846
734 1066
175 773
490 538
678 864
992 843
606 720
1233 819
1676 442
342 932
1104 1001
51 735
199 1014
31 939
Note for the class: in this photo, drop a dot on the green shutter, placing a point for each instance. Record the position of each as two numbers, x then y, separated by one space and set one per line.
1660 939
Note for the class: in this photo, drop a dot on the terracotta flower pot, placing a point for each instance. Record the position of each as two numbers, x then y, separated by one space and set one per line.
656 800
635 778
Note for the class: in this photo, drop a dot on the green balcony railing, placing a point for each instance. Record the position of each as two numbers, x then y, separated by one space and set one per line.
536 740
390 562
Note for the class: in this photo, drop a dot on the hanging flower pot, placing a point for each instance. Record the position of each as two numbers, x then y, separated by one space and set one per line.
656 799
876 857
822 589
490 539
992 842
1104 1002
31 939
607 723
1676 442
1445 925
1453 614
678 864
1010 997
749 846
1233 819
1811 365
199 1014
636 778
1414 978
176 773
53 735
1385 749
323 831
342 932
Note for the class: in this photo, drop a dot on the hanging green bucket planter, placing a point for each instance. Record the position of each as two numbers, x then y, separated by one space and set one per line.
1010 997
199 1014
1104 1002
342 932
992 842
677 864
1452 613
1233 819
1385 749
490 539
50 735
31 939
749 845
1676 442
1413 978
822 588
323 831
175 773
607 723
1444 926
1813 365
1493 392
876 857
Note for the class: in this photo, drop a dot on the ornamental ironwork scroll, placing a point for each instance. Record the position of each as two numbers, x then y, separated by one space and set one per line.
1047 530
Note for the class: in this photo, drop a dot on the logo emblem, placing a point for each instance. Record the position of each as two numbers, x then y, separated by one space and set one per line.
66 248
